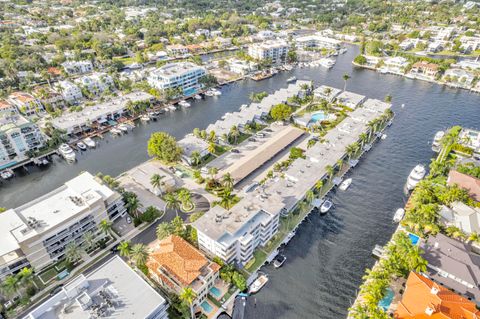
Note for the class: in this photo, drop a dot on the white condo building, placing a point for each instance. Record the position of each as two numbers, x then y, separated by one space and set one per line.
17 137
70 92
77 67
183 75
38 232
113 290
95 83
276 50
25 103
317 41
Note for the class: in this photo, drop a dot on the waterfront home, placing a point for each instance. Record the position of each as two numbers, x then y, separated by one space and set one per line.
112 290
7 108
462 216
26 103
18 138
435 46
467 65
241 67
191 144
372 61
158 55
424 298
408 44
317 41
99 114
49 98
175 264
470 138
470 44
458 77
38 231
70 92
95 83
183 75
77 67
396 64
177 50
326 92
275 50
424 69
350 99
467 182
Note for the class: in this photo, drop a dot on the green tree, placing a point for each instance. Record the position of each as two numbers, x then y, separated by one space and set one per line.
345 77
227 180
105 227
139 254
156 181
124 249
88 240
188 296
73 252
163 230
172 202
10 285
164 147
133 205
280 112
195 158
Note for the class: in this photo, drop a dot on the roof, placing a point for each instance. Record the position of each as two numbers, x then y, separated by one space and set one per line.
5 104
180 259
191 143
425 65
470 183
21 96
423 295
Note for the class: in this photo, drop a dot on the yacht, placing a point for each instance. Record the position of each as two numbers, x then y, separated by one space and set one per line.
383 136
326 206
345 184
398 215
279 261
82 146
416 175
209 93
216 92
436 145
184 104
172 108
291 79
258 284
288 68
123 128
154 115
197 97
7 174
343 50
89 142
145 118
328 63
115 131
66 151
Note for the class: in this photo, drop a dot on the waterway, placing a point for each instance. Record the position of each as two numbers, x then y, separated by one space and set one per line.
327 258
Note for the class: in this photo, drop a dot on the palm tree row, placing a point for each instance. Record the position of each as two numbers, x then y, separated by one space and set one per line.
136 254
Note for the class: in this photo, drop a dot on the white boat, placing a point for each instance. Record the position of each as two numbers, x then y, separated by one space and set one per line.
123 128
154 115
342 50
89 142
383 136
209 93
145 118
67 153
82 146
197 97
291 79
172 108
326 206
7 174
327 63
398 215
288 68
216 92
416 175
258 284
184 104
436 145
45 161
279 261
345 184
115 131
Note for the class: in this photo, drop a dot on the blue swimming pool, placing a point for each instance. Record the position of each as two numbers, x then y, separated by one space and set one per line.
206 307
216 292
387 300
318 116
414 238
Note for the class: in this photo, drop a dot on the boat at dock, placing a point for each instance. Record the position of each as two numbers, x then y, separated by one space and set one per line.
291 79
89 142
122 127
289 237
172 108
216 92
184 104
67 153
81 146
383 136
327 63
7 174
378 251
262 76
345 184
258 284
326 206
154 115
436 145
145 118
209 93
398 215
197 97
115 131
416 175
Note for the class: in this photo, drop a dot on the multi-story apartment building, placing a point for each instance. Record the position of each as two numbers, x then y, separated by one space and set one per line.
7 108
275 50
95 83
234 234
184 75
317 41
40 230
70 92
113 290
77 67
175 264
25 103
18 136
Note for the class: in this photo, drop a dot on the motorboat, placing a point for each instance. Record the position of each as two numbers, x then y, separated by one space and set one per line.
172 108
154 115
216 92
123 128
342 50
258 284
288 68
197 97
145 118
6 174
383 136
436 145
81 146
45 161
327 63
89 142
115 131
291 79
416 175
184 104
399 215
326 206
67 152
209 93
279 261
345 184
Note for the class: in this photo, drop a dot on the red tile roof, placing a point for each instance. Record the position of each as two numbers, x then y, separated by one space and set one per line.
470 183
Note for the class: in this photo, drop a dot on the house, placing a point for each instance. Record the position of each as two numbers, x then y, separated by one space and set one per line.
70 92
95 83
177 49
470 138
49 98
191 144
275 50
183 75
350 99
424 298
241 66
203 32
436 46
26 103
424 69
326 92
460 215
470 183
396 64
7 108
453 264
265 35
176 264
77 67
469 44
459 76
111 290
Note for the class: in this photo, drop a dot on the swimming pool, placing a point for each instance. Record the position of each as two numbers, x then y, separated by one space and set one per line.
414 238
206 307
318 116
387 300
216 292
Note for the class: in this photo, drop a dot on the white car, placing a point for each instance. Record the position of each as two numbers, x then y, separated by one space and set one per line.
129 220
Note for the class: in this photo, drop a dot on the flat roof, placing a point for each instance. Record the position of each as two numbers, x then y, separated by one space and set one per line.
9 220
350 97
176 69
191 143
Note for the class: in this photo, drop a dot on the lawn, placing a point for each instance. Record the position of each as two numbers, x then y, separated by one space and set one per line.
126 61
260 257
47 275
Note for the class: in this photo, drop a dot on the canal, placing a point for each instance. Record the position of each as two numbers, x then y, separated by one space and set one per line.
328 257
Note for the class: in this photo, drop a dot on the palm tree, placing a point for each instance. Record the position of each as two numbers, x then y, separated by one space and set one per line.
212 136
327 91
227 180
311 142
211 148
172 202
88 240
309 196
234 133
26 276
10 285
185 197
474 237
139 254
188 296
340 164
195 158
212 171
105 227
124 249
351 150
163 230
319 185
73 252
330 171
227 198
345 77
133 204
363 139
156 181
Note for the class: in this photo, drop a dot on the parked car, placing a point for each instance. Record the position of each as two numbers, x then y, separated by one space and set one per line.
250 188
129 220
56 290
234 150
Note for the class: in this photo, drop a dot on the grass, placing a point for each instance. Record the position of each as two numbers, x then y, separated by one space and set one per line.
260 257
125 61
47 275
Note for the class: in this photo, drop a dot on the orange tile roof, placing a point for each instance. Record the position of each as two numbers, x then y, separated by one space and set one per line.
470 183
422 294
5 104
54 71
21 96
180 259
